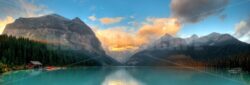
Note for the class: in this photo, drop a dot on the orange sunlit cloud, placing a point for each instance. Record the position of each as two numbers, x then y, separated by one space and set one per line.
119 39
4 22
109 20
157 27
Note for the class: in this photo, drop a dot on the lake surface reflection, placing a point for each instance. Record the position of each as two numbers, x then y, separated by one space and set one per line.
124 76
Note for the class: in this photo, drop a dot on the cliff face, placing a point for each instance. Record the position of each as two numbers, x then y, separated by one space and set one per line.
67 34
73 34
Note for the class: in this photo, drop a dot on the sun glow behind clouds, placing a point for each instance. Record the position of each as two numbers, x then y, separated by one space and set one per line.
20 8
120 39
4 22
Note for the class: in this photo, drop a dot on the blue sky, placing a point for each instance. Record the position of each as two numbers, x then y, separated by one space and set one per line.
112 8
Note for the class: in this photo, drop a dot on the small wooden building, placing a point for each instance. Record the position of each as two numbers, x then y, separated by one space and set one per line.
35 64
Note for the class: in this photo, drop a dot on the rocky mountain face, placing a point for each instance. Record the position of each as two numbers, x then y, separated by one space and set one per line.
168 49
54 29
214 39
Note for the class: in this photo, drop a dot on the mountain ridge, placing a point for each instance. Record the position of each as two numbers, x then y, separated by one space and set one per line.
71 34
213 46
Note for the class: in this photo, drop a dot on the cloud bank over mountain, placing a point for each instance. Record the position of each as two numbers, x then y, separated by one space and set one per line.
120 42
120 39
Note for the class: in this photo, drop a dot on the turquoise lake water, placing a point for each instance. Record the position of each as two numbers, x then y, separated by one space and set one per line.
124 76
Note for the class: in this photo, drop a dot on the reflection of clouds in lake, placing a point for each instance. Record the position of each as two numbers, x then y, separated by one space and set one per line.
120 77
